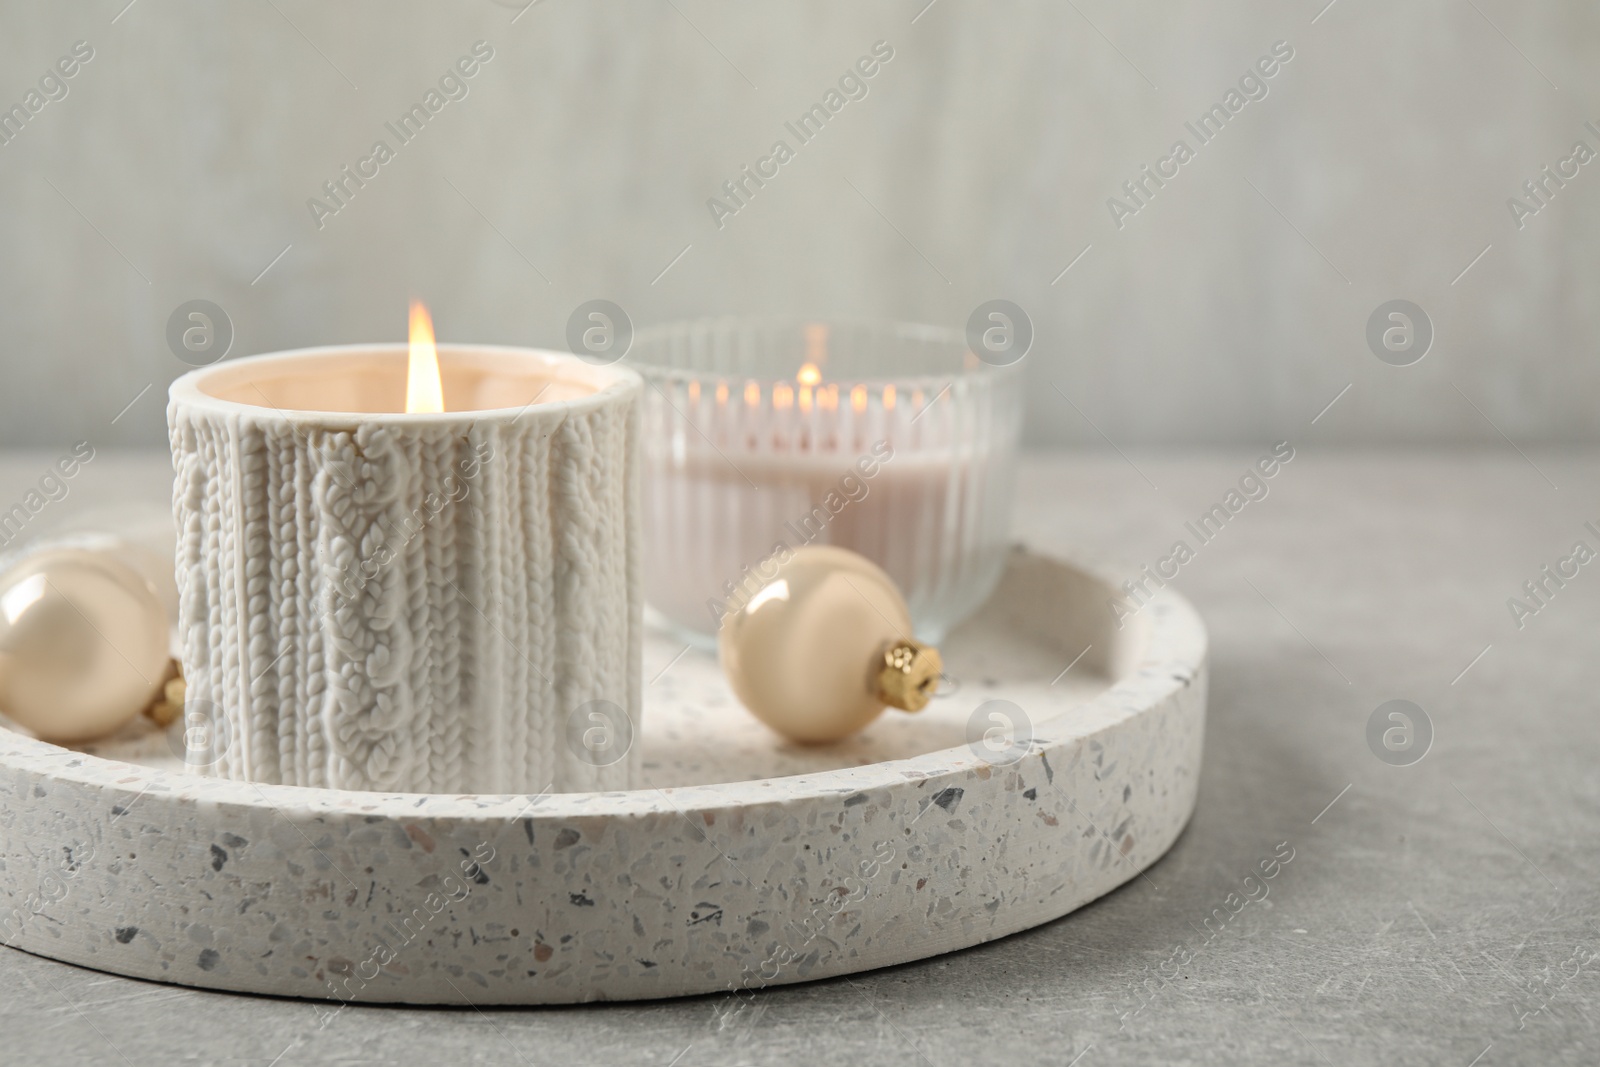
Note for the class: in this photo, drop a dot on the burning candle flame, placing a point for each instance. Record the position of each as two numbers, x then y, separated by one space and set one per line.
424 393
809 375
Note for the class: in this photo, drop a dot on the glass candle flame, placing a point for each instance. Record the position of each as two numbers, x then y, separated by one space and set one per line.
424 393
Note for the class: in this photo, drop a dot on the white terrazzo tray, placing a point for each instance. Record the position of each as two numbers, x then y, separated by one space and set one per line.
745 862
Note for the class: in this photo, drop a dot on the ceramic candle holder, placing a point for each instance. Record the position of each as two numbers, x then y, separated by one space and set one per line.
410 602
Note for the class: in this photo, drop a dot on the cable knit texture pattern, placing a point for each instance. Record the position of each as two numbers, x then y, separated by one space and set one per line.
416 608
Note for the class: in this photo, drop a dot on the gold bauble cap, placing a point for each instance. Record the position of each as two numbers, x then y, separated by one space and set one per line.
908 674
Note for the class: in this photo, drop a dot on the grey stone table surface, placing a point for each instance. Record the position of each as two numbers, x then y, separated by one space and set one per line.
1442 912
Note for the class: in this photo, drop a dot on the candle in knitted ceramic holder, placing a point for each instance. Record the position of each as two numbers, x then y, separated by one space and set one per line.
440 602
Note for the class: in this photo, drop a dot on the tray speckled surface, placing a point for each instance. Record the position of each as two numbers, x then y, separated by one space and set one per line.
745 862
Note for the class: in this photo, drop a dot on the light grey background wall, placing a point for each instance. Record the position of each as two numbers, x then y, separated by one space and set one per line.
1231 308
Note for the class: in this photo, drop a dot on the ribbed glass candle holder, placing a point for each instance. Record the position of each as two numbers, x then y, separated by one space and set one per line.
894 441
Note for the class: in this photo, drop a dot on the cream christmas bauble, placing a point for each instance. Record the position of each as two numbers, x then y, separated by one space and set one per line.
83 644
824 645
